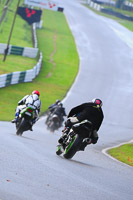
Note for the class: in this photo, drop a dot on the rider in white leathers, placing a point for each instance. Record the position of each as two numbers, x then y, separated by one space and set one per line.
29 100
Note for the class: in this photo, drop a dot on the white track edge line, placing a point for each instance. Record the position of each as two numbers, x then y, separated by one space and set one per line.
104 151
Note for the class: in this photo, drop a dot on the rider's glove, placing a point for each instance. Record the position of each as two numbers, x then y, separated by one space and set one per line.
68 123
66 130
73 120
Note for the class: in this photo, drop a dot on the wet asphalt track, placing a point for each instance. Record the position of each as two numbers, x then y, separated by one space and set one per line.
29 167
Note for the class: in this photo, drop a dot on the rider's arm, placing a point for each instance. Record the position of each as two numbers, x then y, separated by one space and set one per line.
76 110
22 101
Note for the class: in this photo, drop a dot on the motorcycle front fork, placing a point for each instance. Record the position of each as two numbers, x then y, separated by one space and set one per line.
69 137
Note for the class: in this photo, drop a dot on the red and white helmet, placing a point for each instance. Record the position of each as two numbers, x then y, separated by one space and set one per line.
36 92
98 102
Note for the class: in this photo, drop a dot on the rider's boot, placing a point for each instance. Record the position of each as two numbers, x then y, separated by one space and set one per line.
32 123
85 142
31 128
16 118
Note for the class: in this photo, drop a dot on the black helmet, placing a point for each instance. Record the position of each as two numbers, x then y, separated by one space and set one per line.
58 101
98 102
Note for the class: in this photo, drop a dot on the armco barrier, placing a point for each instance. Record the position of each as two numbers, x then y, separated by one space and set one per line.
21 77
93 5
23 51
116 14
24 76
100 8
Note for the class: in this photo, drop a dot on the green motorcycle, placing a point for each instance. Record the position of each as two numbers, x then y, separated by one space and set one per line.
25 120
74 139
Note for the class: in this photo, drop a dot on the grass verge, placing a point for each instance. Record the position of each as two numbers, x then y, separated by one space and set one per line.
123 153
17 63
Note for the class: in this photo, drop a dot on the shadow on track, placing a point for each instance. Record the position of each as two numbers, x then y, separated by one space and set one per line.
77 162
24 137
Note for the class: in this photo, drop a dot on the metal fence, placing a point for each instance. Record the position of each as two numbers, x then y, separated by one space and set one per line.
22 51
21 76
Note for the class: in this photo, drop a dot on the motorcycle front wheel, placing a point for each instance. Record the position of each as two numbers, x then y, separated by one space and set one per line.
58 151
73 147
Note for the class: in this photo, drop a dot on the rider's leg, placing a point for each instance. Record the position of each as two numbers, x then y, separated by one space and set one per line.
16 115
85 142
18 109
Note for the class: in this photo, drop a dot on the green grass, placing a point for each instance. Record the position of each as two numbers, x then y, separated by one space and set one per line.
21 35
17 63
54 37
123 153
128 25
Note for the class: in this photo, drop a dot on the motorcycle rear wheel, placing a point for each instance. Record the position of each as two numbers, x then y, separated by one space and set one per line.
23 126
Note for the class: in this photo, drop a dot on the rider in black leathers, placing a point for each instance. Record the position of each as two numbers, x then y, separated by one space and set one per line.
60 112
54 105
91 111
51 109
